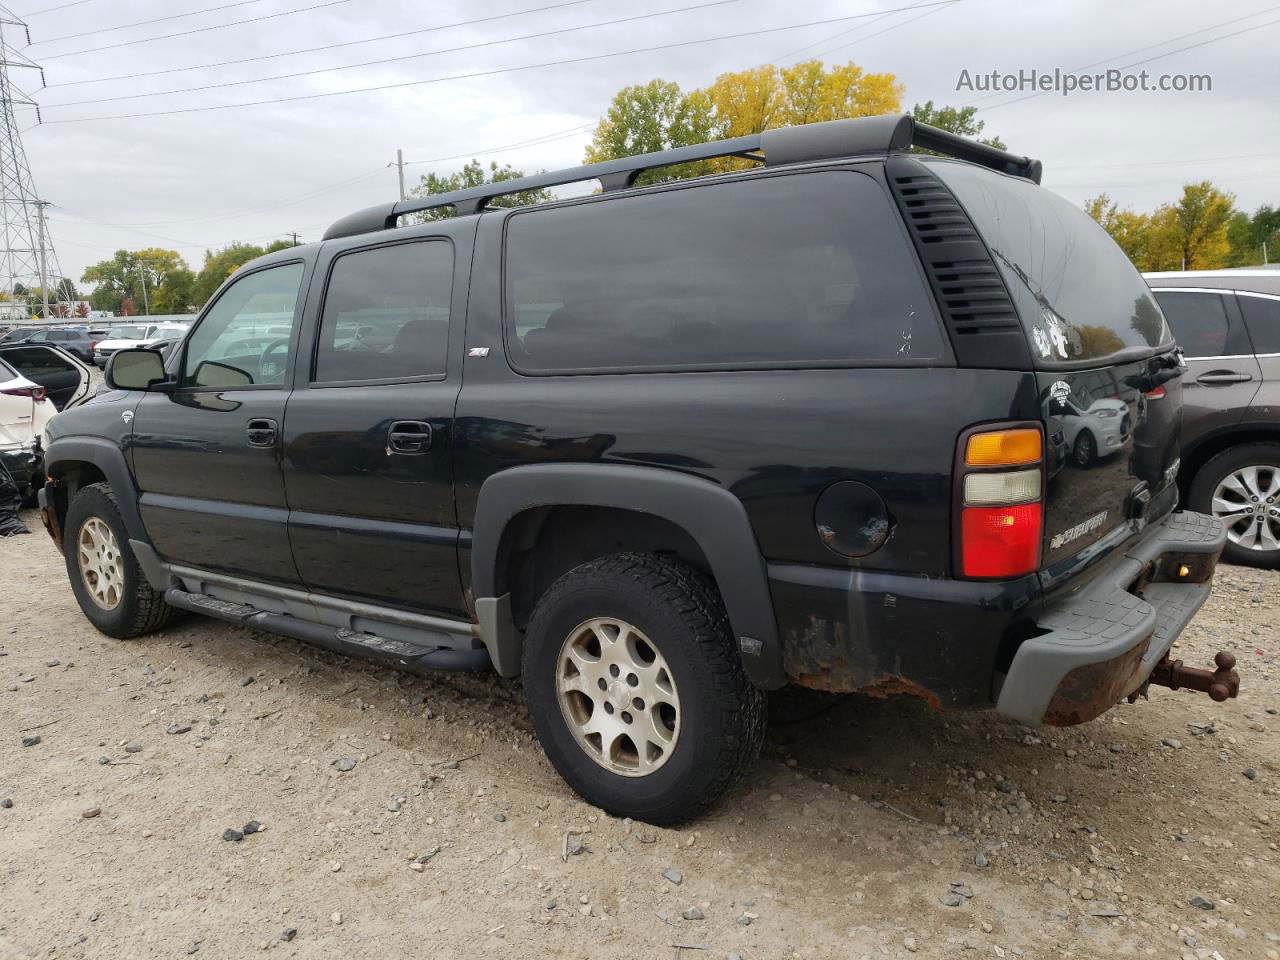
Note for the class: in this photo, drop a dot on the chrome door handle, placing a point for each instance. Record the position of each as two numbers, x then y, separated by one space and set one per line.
1223 376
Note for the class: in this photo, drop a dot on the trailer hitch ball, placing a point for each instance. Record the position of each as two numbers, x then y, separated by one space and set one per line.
1221 684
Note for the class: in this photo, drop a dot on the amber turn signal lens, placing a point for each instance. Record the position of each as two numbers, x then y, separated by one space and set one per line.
1004 448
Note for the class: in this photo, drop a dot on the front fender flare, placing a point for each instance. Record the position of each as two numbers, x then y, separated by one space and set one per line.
711 515
108 458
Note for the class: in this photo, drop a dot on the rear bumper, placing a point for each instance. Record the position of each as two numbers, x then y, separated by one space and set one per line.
1103 639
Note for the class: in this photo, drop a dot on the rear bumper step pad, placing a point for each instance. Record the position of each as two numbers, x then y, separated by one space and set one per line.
1103 641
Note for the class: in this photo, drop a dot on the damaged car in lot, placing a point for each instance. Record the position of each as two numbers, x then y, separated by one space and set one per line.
36 381
661 449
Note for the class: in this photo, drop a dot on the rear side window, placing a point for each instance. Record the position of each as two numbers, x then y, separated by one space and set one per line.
1202 324
1078 295
1262 316
37 360
806 269
386 314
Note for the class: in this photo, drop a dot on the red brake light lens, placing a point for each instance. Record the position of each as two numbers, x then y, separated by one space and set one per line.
1001 541
1156 394
35 393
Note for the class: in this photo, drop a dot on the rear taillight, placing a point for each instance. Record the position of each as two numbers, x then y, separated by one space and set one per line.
35 393
1157 394
1000 484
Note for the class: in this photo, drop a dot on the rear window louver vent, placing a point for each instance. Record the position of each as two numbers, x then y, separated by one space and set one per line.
971 295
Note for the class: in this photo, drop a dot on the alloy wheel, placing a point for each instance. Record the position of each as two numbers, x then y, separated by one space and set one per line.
618 696
101 566
1247 500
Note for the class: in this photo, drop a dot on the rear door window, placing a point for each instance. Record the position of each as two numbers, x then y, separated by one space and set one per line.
1078 295
1262 316
1202 324
386 314
808 269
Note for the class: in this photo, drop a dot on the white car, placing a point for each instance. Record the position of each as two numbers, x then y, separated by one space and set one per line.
1095 432
130 335
36 381
24 410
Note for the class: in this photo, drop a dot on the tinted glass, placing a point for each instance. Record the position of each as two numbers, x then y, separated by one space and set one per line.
810 268
1077 293
1262 316
37 360
1201 324
244 338
127 333
386 313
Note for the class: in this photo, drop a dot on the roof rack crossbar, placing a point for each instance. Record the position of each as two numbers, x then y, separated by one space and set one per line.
812 142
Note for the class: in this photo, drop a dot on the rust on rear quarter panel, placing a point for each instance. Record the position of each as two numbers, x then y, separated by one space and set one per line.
1090 691
818 658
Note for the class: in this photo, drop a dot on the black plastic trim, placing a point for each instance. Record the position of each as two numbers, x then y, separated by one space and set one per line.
714 517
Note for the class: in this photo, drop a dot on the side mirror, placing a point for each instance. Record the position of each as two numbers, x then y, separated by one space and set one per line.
135 369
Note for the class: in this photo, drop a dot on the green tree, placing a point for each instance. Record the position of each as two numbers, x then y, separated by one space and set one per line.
130 274
220 264
659 116
962 121
1255 239
176 294
473 174
649 117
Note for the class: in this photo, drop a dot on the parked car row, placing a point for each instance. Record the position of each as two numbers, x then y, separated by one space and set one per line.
96 344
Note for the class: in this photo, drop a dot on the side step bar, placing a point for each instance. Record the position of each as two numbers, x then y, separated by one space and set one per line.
398 653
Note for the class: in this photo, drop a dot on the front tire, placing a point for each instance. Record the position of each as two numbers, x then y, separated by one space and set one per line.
636 690
1085 451
105 577
1241 487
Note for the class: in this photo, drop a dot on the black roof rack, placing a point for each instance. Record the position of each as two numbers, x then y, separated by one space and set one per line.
814 141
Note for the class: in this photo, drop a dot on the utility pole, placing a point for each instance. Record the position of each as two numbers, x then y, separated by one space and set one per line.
294 234
399 165
142 275
44 261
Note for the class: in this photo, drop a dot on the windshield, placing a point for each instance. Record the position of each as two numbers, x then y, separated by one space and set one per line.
1077 293
126 333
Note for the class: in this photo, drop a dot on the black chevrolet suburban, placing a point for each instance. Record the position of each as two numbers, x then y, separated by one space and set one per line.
812 419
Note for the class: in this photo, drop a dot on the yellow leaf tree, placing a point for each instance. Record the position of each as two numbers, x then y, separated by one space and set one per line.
658 115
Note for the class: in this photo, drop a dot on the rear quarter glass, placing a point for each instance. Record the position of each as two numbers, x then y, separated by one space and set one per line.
793 269
1077 294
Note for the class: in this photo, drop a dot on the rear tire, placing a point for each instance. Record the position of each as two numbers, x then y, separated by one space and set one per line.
105 577
1226 487
629 621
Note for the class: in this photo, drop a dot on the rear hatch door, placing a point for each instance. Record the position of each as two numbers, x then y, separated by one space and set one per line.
1106 369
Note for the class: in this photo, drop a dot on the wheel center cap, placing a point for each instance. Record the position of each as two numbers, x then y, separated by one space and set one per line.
619 694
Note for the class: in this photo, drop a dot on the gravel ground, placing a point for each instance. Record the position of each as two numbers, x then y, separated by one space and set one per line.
402 816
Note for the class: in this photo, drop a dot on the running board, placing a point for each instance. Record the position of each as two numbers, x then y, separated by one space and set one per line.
398 653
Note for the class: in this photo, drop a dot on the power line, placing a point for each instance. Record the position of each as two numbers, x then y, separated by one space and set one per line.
399 59
535 141
61 6
187 33
143 23
1150 46
588 58
895 26
1139 63
843 33
324 47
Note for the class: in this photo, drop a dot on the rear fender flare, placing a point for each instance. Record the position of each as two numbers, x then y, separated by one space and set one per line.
711 515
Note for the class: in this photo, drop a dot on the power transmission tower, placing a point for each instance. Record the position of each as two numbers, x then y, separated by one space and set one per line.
27 259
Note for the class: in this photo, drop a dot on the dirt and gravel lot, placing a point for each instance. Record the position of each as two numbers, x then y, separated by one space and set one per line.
867 829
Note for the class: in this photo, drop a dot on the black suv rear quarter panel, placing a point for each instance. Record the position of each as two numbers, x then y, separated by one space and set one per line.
776 439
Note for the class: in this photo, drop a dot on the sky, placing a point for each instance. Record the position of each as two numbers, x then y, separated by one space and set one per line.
206 168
